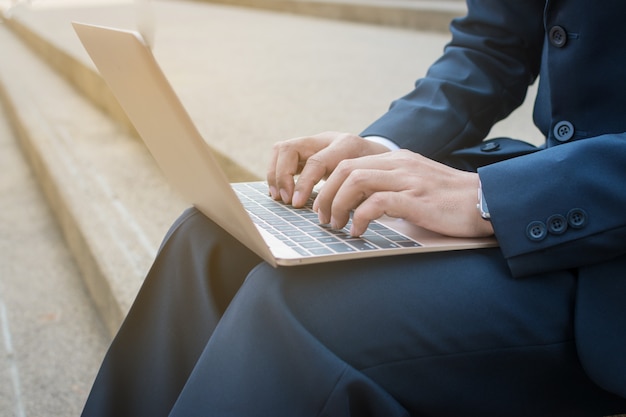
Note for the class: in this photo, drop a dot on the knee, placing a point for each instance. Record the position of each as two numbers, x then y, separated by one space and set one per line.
189 221
287 293
265 288
193 232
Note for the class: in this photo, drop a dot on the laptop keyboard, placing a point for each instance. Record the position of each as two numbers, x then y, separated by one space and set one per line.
300 228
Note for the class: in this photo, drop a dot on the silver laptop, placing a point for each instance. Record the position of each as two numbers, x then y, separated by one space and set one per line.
276 232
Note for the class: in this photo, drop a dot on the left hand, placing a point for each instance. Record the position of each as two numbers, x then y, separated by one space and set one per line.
314 158
406 185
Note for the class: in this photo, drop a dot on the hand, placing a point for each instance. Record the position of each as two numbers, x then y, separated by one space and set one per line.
406 185
314 158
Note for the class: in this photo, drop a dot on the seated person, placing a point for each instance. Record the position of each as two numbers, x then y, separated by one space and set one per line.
535 327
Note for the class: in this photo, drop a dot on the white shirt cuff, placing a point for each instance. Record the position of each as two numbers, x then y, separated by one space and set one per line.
383 141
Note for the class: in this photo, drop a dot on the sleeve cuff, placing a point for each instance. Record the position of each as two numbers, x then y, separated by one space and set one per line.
383 141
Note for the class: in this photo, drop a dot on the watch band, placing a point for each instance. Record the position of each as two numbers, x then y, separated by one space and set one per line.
482 204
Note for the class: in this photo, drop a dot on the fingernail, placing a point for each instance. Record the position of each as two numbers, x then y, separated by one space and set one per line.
295 200
284 196
273 192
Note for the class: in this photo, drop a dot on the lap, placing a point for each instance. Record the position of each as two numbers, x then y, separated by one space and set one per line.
441 303
407 331
402 322
412 305
399 319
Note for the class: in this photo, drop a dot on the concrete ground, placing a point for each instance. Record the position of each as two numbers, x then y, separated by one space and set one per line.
251 77
51 337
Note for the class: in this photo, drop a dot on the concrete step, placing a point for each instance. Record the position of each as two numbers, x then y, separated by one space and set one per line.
240 71
248 77
47 31
424 15
51 337
110 199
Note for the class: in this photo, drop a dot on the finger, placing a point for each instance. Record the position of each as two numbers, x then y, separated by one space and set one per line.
357 187
352 182
271 174
315 169
336 147
286 165
320 166
291 157
393 204
323 202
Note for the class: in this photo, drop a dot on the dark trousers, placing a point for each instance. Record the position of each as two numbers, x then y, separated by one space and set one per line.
216 332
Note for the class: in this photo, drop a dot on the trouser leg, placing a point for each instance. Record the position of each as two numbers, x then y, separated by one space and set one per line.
428 335
196 273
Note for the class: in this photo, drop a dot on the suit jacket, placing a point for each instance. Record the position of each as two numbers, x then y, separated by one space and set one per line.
561 206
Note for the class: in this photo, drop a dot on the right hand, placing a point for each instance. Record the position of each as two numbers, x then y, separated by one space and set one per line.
314 158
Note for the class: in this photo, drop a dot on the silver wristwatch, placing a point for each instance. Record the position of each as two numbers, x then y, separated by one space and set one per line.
482 204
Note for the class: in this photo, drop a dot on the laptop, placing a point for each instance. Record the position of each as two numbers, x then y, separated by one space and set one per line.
278 233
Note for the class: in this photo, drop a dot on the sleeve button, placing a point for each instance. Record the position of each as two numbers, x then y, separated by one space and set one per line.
536 231
577 218
557 224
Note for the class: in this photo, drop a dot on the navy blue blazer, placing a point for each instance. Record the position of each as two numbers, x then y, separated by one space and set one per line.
561 206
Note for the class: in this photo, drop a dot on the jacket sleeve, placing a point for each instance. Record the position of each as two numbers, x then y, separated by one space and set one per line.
563 207
483 75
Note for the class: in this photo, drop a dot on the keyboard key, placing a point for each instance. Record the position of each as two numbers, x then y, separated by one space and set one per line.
361 244
341 247
381 242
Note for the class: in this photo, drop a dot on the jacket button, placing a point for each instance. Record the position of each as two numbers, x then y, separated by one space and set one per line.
577 218
557 224
490 147
536 231
557 36
563 131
